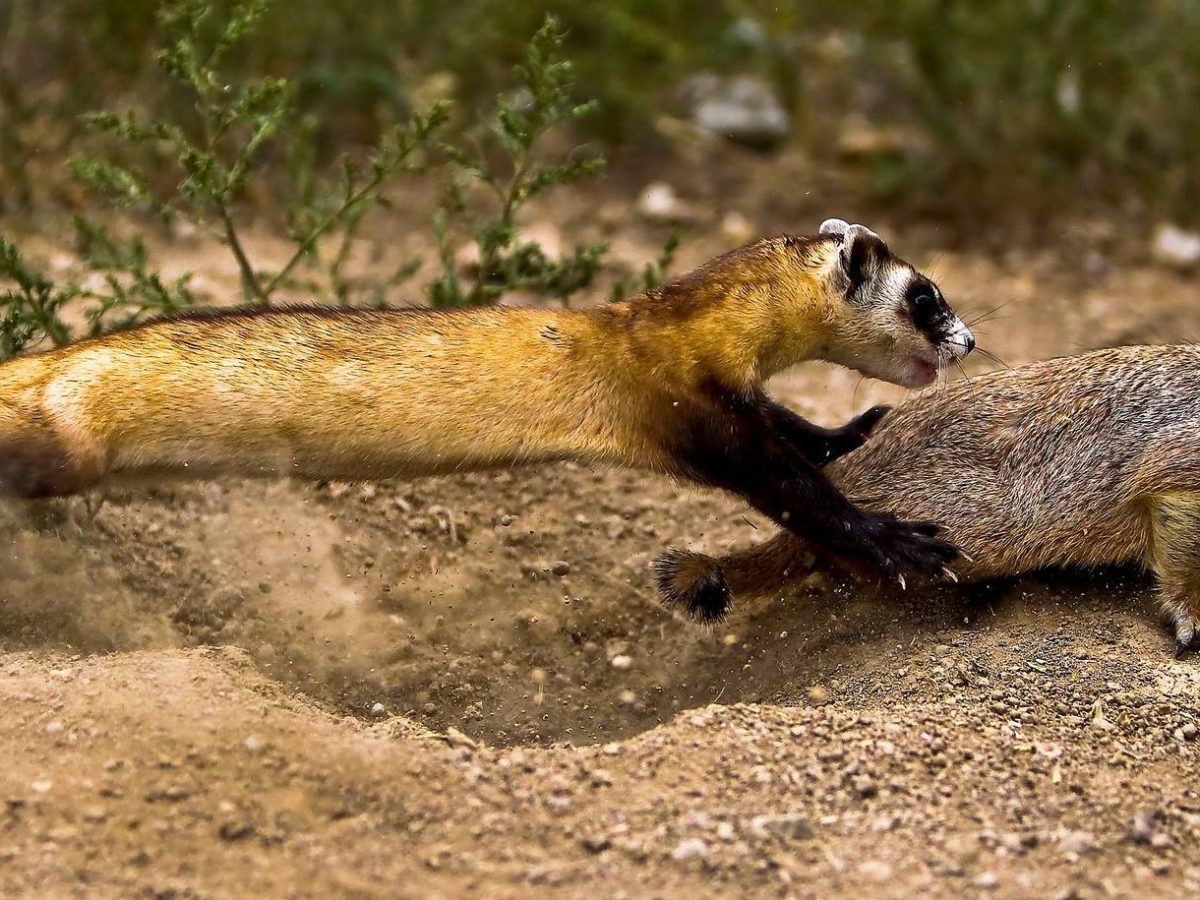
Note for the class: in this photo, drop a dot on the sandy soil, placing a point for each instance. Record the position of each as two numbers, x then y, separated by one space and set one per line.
458 686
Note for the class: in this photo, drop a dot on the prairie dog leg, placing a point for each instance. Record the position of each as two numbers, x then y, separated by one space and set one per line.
1175 560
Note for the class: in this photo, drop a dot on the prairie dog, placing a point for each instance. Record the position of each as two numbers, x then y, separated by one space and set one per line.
670 381
1081 461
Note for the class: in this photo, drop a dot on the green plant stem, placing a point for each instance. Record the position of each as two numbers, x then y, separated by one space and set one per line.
250 283
488 261
306 245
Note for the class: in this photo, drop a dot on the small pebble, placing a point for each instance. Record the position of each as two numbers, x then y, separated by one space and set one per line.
1142 829
622 662
986 880
254 744
692 848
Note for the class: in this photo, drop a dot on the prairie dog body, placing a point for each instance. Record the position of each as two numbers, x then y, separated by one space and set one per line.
669 381
1080 461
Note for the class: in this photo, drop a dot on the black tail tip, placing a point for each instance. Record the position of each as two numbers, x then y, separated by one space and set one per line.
694 582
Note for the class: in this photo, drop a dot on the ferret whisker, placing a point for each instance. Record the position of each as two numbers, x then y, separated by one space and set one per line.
854 393
987 320
989 313
992 356
966 377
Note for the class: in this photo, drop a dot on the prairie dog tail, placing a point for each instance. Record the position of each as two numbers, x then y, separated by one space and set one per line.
704 586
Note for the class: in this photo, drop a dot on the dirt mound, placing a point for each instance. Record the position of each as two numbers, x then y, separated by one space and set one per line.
1031 766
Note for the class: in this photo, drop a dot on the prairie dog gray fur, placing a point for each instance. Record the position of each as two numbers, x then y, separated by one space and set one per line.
1081 461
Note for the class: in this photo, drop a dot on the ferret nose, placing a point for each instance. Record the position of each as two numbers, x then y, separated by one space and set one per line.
970 342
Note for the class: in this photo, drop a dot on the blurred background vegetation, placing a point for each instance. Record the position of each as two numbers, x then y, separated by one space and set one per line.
961 100
303 113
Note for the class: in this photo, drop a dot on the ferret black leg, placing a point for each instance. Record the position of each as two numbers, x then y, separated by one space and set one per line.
823 445
735 446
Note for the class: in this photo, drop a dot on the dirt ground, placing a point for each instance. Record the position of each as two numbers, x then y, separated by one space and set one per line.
465 686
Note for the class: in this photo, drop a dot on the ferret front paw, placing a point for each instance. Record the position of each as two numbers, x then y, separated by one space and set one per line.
898 548
854 433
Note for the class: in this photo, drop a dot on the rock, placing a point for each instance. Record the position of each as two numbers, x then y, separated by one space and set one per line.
1099 720
692 848
378 710
560 567
818 694
660 204
622 662
506 520
1188 732
1142 829
94 814
740 108
748 34
876 870
865 786
1175 247
595 843
737 227
986 880
254 744
235 829
793 826
1076 842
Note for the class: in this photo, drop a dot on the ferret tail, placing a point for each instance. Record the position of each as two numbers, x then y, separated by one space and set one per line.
693 582
705 586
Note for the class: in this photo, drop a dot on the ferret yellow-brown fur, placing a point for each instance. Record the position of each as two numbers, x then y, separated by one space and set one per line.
1082 461
668 381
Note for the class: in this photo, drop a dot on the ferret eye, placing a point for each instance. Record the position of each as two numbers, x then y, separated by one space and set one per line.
923 307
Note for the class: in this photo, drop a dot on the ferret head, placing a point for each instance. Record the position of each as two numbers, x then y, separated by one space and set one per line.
887 320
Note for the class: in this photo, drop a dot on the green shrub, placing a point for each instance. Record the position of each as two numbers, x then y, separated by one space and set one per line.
218 147
222 143
1077 97
997 101
125 292
506 262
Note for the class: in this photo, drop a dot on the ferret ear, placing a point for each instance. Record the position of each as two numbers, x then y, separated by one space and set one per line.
862 253
835 226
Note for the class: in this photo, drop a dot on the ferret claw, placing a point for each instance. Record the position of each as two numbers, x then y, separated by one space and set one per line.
965 555
903 583
949 574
